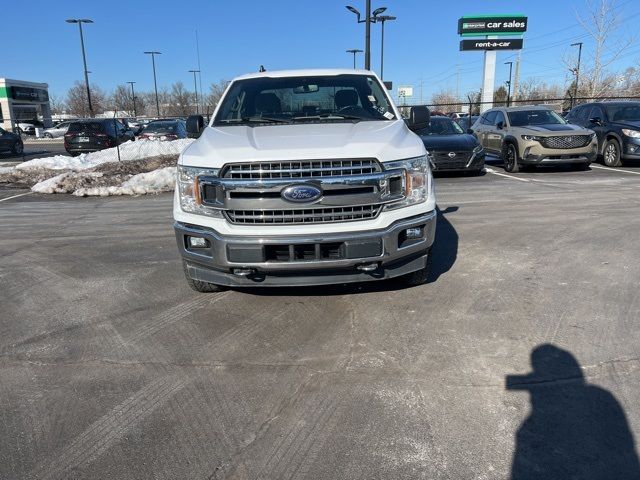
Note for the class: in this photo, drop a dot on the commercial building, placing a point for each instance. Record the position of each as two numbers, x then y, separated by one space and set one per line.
22 101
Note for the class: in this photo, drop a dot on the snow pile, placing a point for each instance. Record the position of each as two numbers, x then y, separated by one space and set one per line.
128 151
156 181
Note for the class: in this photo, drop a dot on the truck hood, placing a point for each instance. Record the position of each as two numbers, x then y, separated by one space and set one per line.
384 140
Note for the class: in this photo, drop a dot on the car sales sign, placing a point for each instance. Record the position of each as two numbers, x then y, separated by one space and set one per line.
491 44
480 25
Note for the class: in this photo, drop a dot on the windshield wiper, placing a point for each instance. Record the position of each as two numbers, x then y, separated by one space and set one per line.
327 116
256 120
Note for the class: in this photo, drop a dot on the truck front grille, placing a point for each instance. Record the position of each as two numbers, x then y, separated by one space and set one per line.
307 215
566 141
300 169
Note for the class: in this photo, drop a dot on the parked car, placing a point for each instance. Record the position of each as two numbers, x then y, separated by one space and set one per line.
57 130
534 135
450 148
11 142
306 177
164 130
467 122
617 126
91 135
25 128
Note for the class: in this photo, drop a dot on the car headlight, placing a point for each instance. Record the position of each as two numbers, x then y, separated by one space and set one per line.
631 133
530 138
417 180
189 190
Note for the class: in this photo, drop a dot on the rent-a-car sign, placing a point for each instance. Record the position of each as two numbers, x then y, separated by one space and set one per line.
492 25
493 44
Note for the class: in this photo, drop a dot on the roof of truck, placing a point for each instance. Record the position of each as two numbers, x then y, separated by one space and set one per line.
306 73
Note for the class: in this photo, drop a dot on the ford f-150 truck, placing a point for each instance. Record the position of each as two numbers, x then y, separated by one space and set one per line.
305 177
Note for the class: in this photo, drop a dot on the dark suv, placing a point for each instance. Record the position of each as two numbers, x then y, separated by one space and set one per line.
617 125
91 135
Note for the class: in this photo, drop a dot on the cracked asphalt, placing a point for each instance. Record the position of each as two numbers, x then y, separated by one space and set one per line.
519 359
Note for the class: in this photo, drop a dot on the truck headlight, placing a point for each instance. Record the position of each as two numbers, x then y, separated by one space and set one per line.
189 190
417 180
631 133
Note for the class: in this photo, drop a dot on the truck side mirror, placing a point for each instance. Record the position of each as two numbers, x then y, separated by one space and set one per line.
195 125
418 117
388 85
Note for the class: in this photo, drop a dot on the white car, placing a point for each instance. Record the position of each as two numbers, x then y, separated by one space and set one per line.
26 128
305 177
57 131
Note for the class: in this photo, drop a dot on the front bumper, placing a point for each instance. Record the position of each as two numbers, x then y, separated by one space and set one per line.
388 249
630 148
443 163
535 154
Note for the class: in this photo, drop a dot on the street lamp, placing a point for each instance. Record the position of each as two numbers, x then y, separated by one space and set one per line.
577 71
155 83
354 51
133 96
383 19
195 86
80 21
509 83
367 21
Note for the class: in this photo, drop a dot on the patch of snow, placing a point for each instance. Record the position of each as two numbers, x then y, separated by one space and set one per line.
128 151
51 185
6 169
161 180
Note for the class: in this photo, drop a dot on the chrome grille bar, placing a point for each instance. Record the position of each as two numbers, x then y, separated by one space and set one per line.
307 215
300 169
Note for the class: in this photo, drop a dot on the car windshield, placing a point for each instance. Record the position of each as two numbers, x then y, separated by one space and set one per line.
619 113
162 127
337 98
441 126
521 118
85 127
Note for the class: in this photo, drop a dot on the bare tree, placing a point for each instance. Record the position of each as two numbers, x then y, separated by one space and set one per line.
78 103
445 101
500 96
215 93
123 101
57 104
182 102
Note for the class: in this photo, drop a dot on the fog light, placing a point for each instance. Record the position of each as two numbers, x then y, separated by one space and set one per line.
368 267
415 232
197 242
243 272
632 148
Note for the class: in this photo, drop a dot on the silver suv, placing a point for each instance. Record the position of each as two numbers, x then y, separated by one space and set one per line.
533 135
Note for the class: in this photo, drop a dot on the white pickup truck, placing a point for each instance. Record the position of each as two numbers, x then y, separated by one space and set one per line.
305 177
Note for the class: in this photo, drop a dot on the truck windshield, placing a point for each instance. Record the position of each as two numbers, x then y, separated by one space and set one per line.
336 98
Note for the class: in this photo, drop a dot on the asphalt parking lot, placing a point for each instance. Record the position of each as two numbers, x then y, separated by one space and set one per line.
33 149
111 367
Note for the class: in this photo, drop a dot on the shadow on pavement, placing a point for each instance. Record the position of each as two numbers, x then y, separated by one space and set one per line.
445 246
575 430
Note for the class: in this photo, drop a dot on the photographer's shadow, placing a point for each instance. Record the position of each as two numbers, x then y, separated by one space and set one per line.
445 246
575 430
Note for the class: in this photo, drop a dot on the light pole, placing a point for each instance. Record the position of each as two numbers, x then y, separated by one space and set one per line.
155 83
354 51
133 96
80 21
577 71
195 86
367 21
509 83
383 19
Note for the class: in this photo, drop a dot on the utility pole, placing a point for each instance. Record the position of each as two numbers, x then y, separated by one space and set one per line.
516 78
577 72
421 89
383 19
133 96
354 51
195 86
509 83
155 83
80 21
457 82
367 21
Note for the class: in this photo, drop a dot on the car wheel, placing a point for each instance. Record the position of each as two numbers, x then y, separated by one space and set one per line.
611 153
17 148
200 286
48 135
510 158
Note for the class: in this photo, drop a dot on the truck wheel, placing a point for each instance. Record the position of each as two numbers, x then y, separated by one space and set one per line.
612 153
510 158
419 277
200 286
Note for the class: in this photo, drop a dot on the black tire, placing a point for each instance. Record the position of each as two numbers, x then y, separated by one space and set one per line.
17 148
47 135
611 153
510 158
419 277
200 286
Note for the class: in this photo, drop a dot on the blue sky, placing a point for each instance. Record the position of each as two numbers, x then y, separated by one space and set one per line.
238 36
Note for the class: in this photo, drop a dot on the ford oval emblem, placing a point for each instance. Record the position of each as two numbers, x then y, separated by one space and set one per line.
301 193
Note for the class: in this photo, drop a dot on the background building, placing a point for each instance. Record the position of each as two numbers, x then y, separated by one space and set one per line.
22 101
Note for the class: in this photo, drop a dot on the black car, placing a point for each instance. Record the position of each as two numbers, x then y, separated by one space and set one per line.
450 147
164 130
467 122
617 125
11 142
91 135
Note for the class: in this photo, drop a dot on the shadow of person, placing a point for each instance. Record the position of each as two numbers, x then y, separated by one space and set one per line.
575 430
445 246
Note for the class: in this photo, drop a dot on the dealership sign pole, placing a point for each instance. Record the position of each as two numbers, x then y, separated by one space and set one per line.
492 28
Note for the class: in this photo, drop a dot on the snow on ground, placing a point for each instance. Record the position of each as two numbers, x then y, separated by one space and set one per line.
161 180
128 151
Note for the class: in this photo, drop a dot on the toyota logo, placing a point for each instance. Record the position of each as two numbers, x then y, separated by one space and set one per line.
301 193
451 154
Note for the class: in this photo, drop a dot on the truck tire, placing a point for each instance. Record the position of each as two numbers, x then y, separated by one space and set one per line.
200 286
419 277
611 153
510 158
